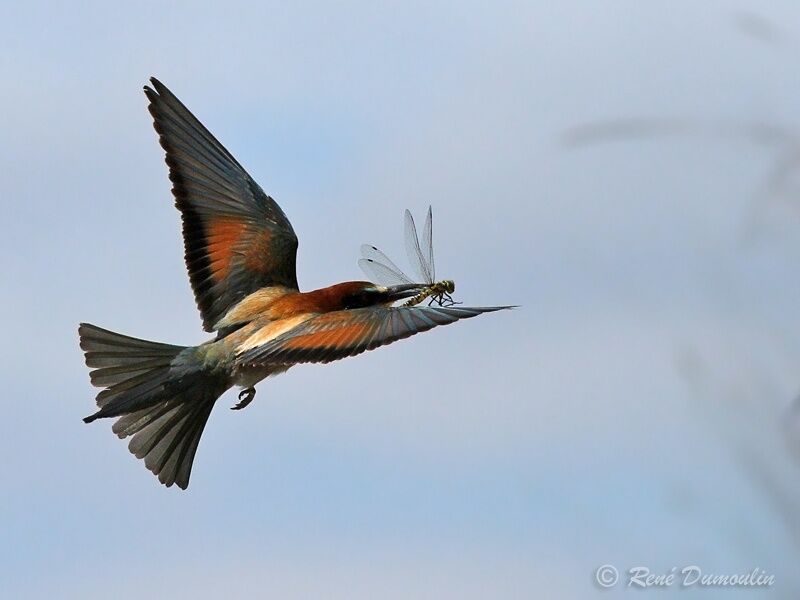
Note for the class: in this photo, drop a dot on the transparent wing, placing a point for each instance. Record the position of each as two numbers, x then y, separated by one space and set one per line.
379 267
380 273
427 243
415 256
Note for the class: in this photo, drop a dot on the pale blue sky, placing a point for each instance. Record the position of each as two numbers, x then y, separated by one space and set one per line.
633 411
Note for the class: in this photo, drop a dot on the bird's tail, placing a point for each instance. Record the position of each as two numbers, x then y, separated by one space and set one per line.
160 397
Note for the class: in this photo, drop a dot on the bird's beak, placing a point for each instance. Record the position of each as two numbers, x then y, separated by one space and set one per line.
398 292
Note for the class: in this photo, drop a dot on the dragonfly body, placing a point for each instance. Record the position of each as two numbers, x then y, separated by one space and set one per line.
438 292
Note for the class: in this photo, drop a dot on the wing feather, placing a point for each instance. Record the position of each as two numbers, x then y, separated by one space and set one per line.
236 238
336 335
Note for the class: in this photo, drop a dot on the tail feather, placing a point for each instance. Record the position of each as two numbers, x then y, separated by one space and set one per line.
97 339
168 445
124 365
108 376
128 395
163 407
136 421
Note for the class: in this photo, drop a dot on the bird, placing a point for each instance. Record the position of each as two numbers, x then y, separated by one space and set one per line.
240 253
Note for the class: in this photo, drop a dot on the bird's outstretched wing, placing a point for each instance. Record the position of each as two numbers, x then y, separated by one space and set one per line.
335 335
236 238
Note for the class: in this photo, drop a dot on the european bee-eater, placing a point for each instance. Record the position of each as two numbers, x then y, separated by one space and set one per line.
240 252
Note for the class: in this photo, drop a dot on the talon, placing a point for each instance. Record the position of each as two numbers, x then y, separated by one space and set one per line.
245 397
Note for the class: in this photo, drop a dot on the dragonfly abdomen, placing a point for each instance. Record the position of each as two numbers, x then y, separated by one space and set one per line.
439 292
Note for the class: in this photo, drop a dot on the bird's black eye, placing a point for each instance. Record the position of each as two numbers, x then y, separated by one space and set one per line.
359 300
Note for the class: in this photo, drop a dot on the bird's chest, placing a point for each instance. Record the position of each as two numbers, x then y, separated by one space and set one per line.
247 377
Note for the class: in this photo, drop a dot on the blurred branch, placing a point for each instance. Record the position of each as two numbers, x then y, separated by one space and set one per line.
777 185
644 128
754 425
759 28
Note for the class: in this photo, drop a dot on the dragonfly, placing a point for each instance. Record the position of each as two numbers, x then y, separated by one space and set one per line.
380 268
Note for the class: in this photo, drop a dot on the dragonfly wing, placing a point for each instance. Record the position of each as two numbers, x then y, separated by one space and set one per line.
427 243
380 273
372 253
415 256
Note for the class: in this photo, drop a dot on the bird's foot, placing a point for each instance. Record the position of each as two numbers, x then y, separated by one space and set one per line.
245 397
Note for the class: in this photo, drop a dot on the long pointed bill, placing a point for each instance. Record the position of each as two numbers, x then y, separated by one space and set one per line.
398 292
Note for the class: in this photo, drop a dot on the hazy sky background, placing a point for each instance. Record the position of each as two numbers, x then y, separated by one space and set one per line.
633 411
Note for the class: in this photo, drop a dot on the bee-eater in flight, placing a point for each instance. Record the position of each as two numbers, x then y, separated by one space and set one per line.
240 252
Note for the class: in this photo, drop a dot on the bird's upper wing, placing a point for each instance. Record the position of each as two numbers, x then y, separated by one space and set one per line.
236 238
331 336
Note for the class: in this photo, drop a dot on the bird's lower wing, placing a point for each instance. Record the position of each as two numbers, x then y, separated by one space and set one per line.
344 333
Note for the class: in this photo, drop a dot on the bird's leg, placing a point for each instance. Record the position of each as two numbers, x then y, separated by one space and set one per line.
245 397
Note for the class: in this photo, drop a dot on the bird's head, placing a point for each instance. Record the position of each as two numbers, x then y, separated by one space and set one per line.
359 294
